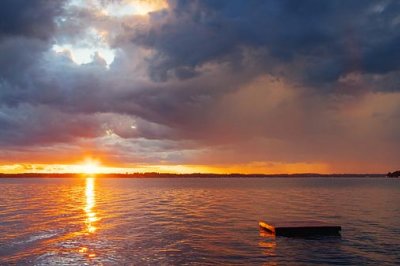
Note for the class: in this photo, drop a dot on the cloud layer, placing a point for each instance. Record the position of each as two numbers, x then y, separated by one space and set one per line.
226 84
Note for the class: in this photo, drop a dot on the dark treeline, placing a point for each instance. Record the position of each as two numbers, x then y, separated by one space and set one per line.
172 175
394 174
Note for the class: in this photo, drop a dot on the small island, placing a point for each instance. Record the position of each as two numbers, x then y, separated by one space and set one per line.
394 174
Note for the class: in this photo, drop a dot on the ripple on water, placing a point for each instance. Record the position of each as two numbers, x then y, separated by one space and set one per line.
195 221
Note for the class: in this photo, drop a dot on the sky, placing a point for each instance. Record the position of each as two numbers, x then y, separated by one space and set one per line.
250 86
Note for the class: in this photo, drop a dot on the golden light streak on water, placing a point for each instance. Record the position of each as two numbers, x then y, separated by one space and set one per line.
268 244
91 216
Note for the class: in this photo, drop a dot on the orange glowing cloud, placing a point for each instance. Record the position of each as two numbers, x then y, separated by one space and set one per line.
90 166
133 7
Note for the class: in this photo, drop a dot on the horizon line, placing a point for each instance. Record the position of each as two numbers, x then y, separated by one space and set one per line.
148 174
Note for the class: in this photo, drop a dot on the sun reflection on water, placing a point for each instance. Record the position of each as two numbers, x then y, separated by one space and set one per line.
91 217
268 244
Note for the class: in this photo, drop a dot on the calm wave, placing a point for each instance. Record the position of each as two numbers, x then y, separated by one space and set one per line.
196 221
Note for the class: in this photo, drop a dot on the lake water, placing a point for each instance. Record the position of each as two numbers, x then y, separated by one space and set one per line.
91 221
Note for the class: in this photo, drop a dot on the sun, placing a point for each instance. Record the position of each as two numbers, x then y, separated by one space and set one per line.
90 167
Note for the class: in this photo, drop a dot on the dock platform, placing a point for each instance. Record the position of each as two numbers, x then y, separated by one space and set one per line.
301 228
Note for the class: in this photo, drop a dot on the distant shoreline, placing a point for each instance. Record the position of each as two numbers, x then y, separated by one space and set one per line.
172 175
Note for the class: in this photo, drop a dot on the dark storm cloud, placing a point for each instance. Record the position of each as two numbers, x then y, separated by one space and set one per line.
31 18
314 42
330 38
26 28
384 57
28 125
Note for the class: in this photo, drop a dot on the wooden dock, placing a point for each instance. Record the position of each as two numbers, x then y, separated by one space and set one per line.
301 228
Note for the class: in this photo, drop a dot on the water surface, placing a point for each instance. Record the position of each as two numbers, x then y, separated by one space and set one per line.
205 221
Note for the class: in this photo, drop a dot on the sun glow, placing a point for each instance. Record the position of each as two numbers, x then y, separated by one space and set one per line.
81 55
133 7
93 45
90 167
